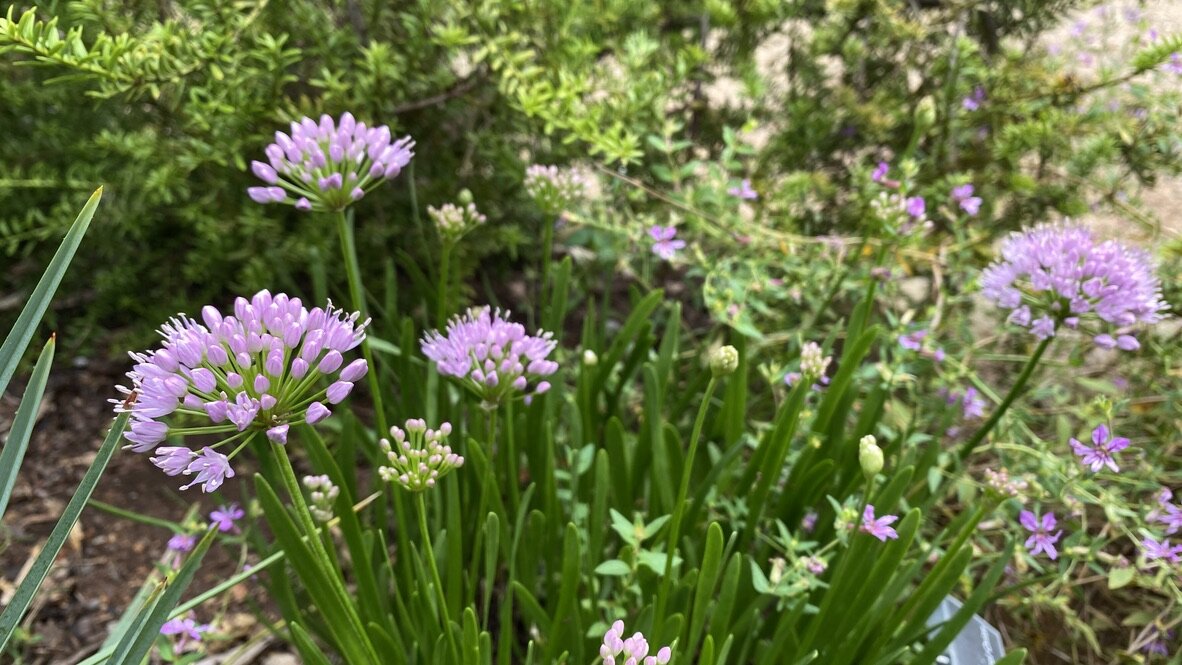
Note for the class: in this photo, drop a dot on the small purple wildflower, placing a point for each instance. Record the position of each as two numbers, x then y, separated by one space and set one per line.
913 341
972 404
618 650
974 101
1153 550
188 630
1061 272
1103 453
492 356
1041 539
225 517
182 542
1174 65
963 196
880 172
879 528
1158 642
809 521
330 164
916 206
665 244
744 191
815 565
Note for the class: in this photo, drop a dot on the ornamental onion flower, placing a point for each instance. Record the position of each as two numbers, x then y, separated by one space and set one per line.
665 243
492 356
330 164
419 457
454 221
618 650
1041 539
554 189
1057 275
1103 452
255 370
879 528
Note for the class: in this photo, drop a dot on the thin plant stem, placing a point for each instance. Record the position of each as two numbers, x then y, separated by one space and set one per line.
679 503
437 581
357 294
441 303
547 253
331 570
511 460
1019 384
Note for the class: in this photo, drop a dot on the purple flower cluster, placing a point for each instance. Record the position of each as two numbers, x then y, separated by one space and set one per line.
1055 275
1103 451
330 164
186 630
255 370
492 356
619 650
913 341
665 241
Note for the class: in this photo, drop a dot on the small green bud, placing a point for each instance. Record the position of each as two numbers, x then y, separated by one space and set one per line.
464 197
724 360
589 358
925 114
870 456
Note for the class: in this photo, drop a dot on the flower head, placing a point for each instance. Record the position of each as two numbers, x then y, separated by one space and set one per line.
619 650
913 341
812 363
328 165
963 196
744 191
665 243
1103 451
916 206
418 457
879 528
1041 539
1001 483
492 356
1055 275
554 189
225 517
454 221
323 493
880 172
253 370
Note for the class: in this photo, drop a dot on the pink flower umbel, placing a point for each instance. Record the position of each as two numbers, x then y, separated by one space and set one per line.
744 191
328 165
665 243
255 370
492 356
619 650
1103 453
225 517
1041 539
554 189
879 528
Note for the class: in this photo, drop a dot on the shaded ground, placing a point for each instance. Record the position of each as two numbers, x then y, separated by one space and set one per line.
107 557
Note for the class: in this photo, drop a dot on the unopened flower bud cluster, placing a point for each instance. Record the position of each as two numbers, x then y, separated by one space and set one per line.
554 189
454 221
418 456
324 494
812 363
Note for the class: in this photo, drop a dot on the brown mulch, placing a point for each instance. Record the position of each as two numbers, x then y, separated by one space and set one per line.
107 558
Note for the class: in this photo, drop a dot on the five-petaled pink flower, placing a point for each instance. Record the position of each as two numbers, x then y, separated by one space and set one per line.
225 517
744 191
1163 550
1103 454
665 243
879 528
1041 539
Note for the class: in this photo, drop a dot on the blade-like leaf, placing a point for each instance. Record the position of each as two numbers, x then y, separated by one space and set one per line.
22 425
18 340
28 586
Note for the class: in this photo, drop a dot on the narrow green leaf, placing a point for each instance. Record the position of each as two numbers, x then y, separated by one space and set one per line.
22 424
965 614
26 324
311 653
28 586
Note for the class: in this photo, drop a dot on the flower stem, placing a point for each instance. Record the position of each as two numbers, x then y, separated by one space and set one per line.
679 503
357 293
547 252
441 308
429 554
331 570
967 447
